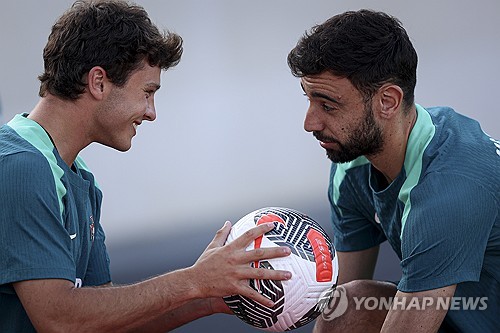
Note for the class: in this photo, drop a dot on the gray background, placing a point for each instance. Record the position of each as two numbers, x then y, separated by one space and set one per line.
229 137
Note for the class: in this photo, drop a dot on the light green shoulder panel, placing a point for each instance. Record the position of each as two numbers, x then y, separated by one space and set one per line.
32 132
421 135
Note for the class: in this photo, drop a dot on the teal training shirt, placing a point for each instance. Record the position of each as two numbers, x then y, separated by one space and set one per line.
441 214
49 219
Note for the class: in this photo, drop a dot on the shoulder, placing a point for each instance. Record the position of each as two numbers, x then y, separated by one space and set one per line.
24 146
26 173
460 147
27 180
461 137
23 165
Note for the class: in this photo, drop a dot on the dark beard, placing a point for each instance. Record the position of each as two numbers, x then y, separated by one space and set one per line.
366 140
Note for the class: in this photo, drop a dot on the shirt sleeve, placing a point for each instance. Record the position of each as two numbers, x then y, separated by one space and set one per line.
444 239
33 242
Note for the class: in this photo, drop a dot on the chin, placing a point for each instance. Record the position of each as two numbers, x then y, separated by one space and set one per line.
339 157
123 147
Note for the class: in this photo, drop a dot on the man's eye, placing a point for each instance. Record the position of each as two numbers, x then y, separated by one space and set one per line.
327 108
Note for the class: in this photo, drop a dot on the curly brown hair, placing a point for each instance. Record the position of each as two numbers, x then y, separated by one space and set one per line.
113 34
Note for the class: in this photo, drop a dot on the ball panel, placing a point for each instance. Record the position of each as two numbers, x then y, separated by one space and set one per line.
257 314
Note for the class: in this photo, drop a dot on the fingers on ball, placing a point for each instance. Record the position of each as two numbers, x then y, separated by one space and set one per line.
250 235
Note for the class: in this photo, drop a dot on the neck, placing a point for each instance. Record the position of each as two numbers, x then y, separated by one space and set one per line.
65 124
391 159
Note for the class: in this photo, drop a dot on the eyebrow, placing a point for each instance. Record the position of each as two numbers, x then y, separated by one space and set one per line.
328 98
320 95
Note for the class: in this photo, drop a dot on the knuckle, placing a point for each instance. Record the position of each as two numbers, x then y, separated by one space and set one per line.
277 252
259 253
260 273
250 233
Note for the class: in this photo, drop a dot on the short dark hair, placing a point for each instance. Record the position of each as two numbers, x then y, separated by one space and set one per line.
114 34
369 48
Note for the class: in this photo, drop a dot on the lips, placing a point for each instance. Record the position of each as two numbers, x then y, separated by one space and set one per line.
135 124
326 142
328 145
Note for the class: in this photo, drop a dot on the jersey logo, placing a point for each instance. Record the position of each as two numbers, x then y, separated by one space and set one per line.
72 236
92 229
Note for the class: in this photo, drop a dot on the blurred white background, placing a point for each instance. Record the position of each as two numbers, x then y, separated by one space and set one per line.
228 138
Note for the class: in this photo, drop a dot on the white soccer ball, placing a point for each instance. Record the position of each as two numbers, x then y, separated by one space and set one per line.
313 264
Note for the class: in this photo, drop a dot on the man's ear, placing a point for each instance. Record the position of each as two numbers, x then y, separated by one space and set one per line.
390 98
97 80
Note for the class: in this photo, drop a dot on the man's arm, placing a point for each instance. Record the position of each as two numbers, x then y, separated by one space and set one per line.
54 305
425 317
182 315
357 265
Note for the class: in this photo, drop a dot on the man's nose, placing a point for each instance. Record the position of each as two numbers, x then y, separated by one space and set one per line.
313 122
150 114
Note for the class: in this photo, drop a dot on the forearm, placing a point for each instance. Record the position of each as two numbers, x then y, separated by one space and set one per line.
418 321
54 305
107 309
423 317
357 265
173 319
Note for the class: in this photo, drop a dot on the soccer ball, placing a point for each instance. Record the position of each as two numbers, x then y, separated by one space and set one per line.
312 262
